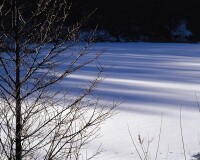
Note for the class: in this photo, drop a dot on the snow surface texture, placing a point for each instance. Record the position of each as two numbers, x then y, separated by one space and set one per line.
153 79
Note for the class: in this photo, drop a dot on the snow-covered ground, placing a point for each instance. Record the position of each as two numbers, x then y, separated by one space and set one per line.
155 80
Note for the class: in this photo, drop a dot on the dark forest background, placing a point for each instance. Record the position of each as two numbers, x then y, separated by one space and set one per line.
138 20
142 20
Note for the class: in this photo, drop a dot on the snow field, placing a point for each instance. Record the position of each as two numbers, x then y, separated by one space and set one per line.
155 81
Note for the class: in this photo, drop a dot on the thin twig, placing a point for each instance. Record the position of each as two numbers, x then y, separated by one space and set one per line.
181 128
197 101
134 144
159 137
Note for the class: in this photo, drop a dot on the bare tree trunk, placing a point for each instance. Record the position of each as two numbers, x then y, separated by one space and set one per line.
18 154
18 108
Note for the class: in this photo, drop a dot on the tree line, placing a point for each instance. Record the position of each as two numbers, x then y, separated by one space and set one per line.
154 20
147 20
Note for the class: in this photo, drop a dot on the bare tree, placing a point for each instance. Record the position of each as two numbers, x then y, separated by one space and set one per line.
37 119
